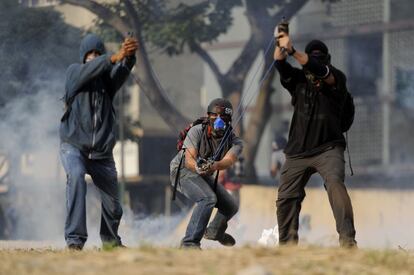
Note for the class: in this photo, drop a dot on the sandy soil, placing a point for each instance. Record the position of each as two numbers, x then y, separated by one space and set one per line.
241 261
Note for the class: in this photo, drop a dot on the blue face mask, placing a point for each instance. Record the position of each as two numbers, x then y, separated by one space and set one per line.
219 124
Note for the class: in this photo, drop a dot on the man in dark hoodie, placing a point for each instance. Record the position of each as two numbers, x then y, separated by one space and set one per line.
197 183
87 136
316 141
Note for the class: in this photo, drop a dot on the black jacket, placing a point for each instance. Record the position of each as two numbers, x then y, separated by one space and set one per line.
316 122
89 91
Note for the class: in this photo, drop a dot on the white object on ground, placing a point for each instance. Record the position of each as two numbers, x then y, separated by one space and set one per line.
270 237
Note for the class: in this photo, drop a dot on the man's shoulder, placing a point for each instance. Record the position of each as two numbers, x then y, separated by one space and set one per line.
71 67
338 74
196 129
193 136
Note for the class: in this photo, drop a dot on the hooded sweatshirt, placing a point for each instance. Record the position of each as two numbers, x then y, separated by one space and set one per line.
89 92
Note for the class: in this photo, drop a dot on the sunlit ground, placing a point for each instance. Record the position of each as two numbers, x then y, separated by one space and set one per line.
244 260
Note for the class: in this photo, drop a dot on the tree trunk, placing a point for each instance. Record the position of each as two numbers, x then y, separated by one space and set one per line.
263 109
156 94
143 74
257 123
232 90
235 98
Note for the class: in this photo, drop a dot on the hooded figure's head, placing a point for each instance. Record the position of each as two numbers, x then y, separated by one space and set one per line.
219 112
89 43
319 51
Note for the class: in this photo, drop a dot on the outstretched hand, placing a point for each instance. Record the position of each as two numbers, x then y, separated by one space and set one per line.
283 41
128 48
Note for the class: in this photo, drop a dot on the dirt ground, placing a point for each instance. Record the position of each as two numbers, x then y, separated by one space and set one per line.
240 261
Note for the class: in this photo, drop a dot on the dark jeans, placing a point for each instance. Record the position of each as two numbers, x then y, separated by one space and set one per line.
104 176
295 174
200 190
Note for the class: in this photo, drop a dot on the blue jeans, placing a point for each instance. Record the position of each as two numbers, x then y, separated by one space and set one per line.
104 176
200 190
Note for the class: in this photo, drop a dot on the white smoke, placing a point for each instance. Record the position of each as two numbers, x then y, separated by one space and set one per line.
36 199
28 135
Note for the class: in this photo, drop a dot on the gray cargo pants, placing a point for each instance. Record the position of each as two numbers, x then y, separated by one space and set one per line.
104 176
294 176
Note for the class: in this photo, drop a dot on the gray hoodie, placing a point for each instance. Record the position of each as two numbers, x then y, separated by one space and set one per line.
91 87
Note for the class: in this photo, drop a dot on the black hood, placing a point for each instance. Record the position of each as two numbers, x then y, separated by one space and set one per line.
316 45
89 43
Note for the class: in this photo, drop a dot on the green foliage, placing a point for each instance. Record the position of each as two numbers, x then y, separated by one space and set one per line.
172 27
104 30
37 47
190 24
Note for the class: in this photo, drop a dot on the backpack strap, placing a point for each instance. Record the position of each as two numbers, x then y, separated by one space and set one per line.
346 134
177 176
349 153
215 181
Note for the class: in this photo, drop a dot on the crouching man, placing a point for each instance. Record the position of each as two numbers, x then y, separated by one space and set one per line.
195 174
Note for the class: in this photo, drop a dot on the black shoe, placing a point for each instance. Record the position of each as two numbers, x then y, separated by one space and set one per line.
225 239
190 246
75 247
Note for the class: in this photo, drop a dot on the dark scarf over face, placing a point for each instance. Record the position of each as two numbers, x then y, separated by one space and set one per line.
209 144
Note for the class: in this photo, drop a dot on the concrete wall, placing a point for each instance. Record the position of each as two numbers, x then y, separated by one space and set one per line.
383 218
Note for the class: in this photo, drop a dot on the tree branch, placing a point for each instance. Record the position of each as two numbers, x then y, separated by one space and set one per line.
241 66
260 116
143 72
132 14
206 57
102 12
289 10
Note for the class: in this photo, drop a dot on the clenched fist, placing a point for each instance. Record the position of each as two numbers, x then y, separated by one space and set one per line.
128 48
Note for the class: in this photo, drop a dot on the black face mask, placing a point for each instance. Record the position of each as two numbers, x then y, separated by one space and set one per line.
322 58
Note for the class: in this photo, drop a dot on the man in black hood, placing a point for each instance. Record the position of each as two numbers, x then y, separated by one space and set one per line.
87 136
208 141
316 142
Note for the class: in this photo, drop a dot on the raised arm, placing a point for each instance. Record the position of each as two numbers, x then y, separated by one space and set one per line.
78 75
123 67
289 75
308 62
